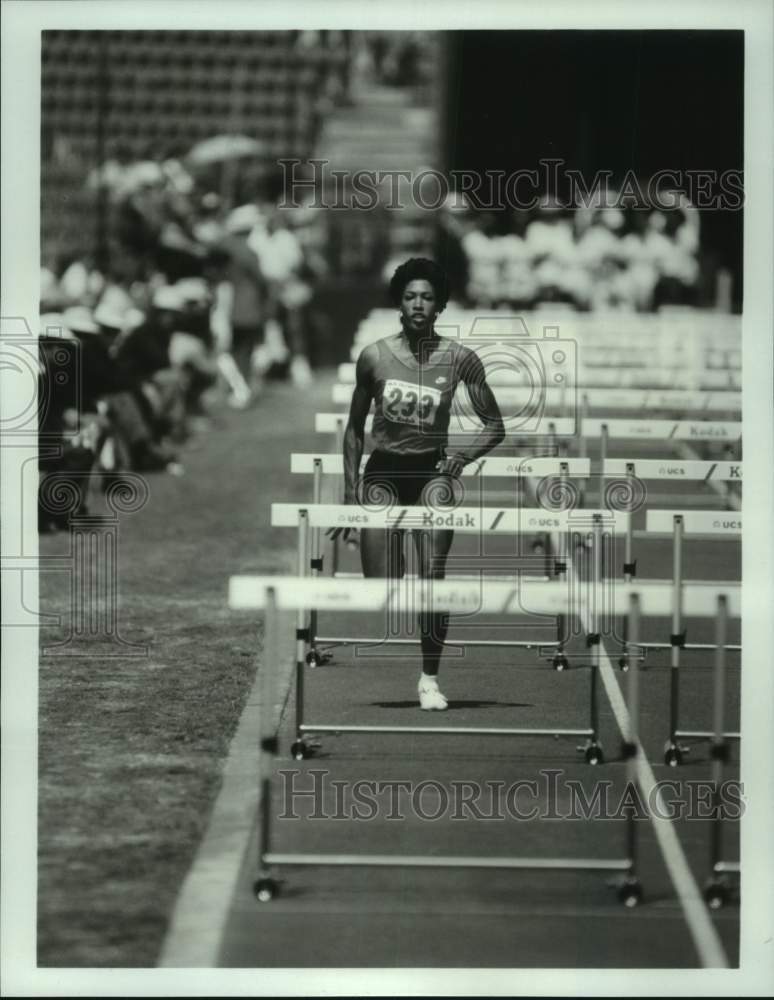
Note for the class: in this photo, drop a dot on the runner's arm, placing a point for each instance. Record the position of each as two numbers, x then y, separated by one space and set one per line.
485 407
354 435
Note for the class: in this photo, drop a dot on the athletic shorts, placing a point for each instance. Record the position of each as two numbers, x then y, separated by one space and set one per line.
398 479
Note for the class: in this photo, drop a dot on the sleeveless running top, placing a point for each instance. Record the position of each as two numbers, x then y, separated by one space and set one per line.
412 402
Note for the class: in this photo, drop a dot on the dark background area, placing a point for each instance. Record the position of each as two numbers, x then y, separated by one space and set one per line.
617 101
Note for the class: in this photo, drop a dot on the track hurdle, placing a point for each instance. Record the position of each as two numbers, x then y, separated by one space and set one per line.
275 594
706 431
656 469
466 520
560 470
678 524
720 475
697 470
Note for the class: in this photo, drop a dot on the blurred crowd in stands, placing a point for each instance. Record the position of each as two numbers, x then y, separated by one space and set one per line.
196 301
595 257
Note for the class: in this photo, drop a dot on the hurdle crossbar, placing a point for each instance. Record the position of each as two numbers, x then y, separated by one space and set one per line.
471 520
493 466
674 469
475 520
662 430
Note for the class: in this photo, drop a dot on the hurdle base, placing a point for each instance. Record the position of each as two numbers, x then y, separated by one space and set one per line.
444 861
688 645
704 734
726 867
308 728
343 640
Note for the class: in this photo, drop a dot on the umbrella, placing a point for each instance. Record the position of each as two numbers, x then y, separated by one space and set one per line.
221 148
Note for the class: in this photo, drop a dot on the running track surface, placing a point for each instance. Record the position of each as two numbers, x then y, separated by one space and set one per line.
327 917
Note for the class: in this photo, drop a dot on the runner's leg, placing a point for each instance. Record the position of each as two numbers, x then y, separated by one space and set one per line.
432 550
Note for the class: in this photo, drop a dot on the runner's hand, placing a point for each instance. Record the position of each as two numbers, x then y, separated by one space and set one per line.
349 536
451 466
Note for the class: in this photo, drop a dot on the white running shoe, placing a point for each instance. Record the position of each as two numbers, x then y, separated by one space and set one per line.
430 698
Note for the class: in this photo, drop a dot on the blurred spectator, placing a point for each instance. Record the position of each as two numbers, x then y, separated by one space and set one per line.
191 343
455 220
671 242
244 309
108 387
70 435
519 283
141 350
281 261
592 258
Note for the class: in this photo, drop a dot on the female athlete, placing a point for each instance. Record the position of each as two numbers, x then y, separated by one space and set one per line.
411 377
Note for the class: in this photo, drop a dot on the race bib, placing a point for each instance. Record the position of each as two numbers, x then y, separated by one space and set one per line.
406 403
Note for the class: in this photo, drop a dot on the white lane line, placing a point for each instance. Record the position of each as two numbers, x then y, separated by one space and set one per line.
195 932
194 935
697 915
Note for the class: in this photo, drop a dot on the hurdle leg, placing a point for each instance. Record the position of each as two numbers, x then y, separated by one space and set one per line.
560 661
315 657
593 749
339 450
542 544
582 446
300 749
629 569
716 890
673 752
602 459
265 887
630 889
559 570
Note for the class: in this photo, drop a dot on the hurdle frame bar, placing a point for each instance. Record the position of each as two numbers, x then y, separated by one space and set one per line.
265 887
592 750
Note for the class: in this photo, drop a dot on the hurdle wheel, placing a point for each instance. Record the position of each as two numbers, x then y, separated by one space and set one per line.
623 663
265 889
560 662
299 750
673 756
716 895
315 658
630 893
594 754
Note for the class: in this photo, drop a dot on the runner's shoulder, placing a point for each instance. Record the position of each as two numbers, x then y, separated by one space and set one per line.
468 362
367 360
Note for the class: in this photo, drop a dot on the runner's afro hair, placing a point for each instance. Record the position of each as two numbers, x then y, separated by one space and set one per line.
423 269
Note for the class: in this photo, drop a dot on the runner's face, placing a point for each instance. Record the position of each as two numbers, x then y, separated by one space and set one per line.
417 306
